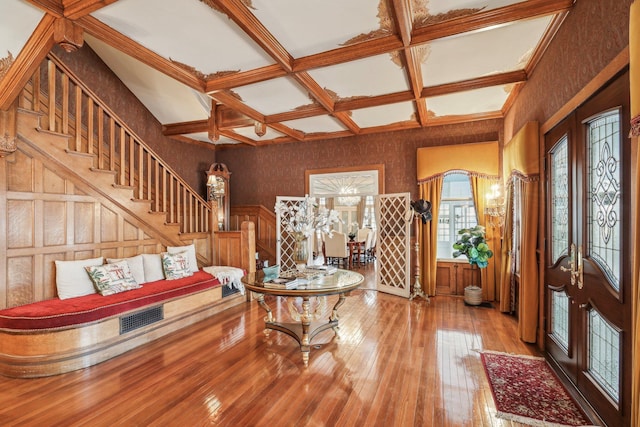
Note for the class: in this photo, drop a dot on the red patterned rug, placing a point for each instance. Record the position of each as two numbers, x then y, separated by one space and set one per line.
526 390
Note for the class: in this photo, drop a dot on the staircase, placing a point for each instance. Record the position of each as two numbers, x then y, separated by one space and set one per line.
88 139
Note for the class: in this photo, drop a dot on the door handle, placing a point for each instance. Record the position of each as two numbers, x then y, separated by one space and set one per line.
580 271
575 268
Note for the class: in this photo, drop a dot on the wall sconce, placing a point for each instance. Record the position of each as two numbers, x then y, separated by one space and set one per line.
495 207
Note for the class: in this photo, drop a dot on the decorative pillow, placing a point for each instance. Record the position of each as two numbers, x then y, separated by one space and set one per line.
112 278
152 267
72 280
136 265
176 266
191 254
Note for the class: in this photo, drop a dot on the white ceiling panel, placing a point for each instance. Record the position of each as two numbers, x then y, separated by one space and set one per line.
308 27
346 80
470 102
17 21
160 94
316 124
384 114
274 96
443 6
501 49
185 31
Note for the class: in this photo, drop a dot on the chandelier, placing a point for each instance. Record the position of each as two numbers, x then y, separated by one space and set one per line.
350 199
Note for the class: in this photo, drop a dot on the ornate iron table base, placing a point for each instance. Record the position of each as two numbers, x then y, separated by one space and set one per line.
304 331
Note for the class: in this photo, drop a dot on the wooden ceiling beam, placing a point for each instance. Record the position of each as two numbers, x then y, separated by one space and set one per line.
542 46
27 61
244 78
403 21
346 120
477 83
408 125
414 74
324 135
390 43
74 9
311 110
293 133
464 118
348 53
314 89
242 16
183 128
502 15
230 118
52 7
374 101
124 44
423 112
70 9
234 103
237 137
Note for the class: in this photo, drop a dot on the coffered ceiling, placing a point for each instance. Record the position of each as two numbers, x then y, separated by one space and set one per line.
268 71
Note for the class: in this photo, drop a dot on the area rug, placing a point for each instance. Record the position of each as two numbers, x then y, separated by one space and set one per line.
526 390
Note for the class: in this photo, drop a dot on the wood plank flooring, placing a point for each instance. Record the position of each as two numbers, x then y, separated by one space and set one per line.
396 363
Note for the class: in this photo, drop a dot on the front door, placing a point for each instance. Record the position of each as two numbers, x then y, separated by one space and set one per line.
588 251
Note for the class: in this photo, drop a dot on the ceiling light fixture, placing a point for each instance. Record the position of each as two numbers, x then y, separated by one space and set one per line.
349 200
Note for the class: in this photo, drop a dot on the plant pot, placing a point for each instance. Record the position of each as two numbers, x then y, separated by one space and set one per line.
473 295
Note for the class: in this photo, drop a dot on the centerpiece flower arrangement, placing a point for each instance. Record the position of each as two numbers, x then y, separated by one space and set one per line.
354 231
304 219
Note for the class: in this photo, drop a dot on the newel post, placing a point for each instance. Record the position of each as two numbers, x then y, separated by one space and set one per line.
8 130
248 246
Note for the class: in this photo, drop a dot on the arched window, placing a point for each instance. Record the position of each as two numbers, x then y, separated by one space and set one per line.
457 211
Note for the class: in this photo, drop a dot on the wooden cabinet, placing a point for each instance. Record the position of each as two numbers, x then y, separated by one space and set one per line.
453 276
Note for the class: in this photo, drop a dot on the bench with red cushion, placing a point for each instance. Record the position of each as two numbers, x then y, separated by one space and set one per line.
57 313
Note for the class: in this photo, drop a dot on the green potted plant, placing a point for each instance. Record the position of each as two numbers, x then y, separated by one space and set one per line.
472 244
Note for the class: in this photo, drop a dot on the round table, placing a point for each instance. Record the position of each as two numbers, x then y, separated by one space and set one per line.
340 283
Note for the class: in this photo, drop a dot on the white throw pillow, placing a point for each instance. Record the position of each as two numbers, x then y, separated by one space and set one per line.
72 279
136 266
152 267
191 254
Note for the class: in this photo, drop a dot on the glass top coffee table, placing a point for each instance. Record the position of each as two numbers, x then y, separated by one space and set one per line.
340 283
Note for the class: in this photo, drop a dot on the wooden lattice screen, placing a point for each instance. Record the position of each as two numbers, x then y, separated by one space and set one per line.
284 240
393 245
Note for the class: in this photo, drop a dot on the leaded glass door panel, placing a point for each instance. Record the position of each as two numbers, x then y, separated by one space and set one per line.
587 256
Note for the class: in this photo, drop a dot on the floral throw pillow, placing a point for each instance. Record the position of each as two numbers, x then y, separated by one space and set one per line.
113 278
176 266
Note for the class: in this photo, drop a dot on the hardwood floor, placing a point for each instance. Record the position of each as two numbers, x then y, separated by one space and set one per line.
396 363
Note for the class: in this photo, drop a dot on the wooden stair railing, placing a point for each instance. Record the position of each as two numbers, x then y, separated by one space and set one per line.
265 232
73 109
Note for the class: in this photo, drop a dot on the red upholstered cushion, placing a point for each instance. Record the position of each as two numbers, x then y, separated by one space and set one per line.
57 313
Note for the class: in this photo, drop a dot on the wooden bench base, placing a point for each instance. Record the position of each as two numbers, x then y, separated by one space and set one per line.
39 353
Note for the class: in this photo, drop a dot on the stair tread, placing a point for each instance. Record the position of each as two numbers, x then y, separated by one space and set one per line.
103 171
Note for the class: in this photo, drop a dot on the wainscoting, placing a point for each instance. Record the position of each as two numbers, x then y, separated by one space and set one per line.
453 276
